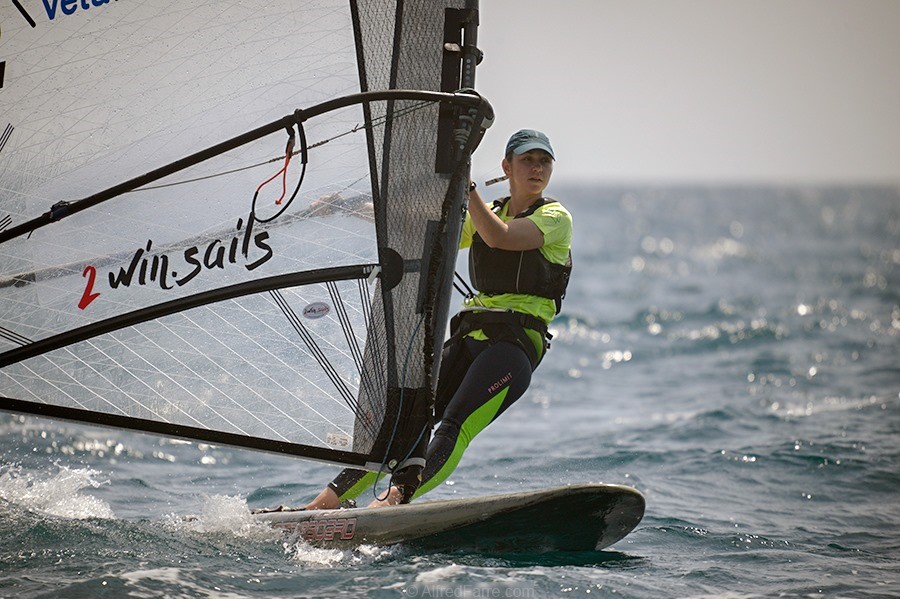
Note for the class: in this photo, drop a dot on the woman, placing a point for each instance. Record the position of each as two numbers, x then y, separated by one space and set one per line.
519 261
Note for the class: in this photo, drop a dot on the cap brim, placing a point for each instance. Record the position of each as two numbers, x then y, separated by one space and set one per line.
534 145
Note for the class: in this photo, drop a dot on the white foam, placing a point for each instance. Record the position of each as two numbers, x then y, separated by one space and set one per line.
227 514
305 554
441 574
58 494
145 583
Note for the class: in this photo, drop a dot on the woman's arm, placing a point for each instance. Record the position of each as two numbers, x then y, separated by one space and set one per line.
516 235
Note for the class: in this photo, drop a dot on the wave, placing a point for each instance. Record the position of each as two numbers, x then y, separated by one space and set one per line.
652 333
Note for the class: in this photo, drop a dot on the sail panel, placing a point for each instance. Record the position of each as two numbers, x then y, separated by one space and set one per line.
232 366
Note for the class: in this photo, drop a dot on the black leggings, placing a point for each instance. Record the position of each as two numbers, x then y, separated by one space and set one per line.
478 381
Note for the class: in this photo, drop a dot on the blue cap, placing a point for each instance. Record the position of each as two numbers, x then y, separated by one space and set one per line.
526 140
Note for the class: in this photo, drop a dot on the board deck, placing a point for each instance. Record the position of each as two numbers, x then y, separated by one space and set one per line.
573 518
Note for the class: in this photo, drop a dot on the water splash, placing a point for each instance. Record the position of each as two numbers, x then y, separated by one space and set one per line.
309 556
225 514
58 494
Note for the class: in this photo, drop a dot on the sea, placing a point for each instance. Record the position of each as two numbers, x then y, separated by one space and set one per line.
733 352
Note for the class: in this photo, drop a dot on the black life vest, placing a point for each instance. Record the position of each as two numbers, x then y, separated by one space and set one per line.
493 271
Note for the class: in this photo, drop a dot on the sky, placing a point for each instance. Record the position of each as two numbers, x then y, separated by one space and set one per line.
708 91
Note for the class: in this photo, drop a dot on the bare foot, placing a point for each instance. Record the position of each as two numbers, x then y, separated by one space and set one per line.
327 500
393 498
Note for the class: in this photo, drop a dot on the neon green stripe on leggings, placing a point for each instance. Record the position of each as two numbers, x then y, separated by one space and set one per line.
474 424
364 483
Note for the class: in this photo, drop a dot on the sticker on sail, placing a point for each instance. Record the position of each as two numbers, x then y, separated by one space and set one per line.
316 310
339 440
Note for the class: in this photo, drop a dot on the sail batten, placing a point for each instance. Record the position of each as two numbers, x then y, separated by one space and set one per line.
241 242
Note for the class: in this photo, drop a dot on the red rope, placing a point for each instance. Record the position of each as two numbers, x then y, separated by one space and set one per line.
283 172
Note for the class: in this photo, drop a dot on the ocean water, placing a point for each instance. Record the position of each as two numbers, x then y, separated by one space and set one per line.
730 352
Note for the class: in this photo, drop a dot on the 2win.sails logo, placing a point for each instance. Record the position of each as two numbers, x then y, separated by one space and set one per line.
169 271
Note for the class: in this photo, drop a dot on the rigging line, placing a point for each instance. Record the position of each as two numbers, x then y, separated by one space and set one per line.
317 352
393 436
327 367
304 160
412 447
352 342
288 152
66 208
460 278
212 176
359 127
14 337
467 292
344 319
372 338
385 119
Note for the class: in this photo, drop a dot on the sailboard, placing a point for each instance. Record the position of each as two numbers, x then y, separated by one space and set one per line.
237 223
585 517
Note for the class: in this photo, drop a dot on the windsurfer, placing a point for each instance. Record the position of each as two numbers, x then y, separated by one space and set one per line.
519 262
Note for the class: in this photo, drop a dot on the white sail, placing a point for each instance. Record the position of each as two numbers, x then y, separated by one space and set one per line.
205 229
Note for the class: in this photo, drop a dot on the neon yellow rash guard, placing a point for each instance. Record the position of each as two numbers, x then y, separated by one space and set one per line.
555 223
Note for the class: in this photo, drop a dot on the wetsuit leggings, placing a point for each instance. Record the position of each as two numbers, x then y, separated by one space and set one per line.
478 381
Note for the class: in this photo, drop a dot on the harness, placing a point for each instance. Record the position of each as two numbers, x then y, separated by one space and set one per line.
494 271
502 325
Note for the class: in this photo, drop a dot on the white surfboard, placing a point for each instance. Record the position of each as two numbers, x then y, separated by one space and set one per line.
574 518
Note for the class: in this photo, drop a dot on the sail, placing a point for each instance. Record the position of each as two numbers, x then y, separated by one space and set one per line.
233 221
